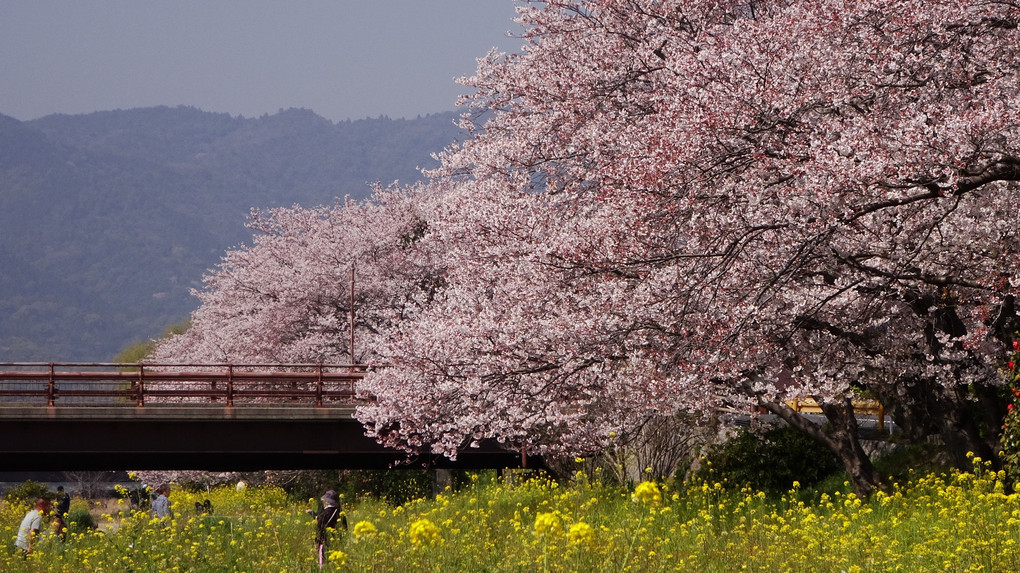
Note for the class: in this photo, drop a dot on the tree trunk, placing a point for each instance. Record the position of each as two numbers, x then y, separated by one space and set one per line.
961 429
843 439
923 408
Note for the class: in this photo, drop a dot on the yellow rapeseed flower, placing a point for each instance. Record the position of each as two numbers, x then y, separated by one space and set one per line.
581 533
647 492
547 523
364 529
423 532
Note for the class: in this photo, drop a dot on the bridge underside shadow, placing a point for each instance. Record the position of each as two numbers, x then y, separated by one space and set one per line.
214 439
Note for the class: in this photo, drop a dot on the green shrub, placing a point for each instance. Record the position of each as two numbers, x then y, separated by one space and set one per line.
26 493
395 486
771 461
80 521
910 460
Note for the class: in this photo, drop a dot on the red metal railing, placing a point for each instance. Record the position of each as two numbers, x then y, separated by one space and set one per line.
116 384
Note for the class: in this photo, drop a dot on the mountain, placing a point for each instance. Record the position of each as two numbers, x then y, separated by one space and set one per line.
109 219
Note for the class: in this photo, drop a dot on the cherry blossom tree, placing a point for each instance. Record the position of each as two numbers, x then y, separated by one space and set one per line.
683 204
675 206
287 297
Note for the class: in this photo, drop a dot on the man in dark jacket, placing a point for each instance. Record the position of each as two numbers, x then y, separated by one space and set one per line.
63 503
326 522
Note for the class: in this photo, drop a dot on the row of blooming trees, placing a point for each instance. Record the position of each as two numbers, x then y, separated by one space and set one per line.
287 298
675 206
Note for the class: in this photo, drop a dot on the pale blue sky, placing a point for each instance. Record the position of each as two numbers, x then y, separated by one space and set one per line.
342 58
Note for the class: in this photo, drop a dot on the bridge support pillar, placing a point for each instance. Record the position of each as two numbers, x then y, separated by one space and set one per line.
441 479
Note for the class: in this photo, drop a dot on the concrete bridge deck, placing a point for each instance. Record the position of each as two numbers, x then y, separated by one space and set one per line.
214 438
203 417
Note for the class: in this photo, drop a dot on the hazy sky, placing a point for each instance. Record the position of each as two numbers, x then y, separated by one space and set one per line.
341 58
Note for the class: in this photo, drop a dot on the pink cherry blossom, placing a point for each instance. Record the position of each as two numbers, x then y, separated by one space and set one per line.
675 206
687 204
287 297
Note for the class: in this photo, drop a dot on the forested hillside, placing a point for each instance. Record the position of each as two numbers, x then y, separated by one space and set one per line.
107 220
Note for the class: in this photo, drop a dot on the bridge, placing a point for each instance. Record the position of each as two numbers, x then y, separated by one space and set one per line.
109 416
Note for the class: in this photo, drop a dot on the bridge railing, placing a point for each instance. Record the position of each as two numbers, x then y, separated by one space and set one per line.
862 407
138 384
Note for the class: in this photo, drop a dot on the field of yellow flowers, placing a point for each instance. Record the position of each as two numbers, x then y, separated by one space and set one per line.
956 522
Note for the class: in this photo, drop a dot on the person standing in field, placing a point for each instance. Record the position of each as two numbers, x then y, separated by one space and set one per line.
326 522
161 505
63 503
60 512
30 526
